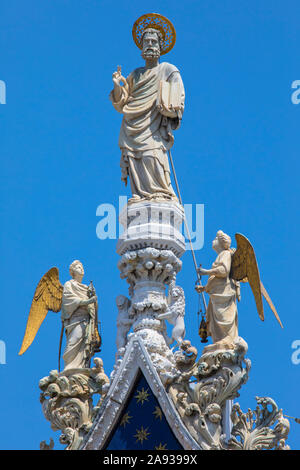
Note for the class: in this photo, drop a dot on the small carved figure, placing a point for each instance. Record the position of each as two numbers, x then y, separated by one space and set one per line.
124 323
282 427
175 312
187 355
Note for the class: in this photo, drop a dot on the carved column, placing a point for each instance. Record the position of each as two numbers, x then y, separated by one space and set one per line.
150 248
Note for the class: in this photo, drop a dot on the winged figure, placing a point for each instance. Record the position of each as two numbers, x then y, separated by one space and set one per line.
78 305
231 267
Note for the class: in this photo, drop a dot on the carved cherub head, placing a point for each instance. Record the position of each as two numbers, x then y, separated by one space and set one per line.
52 391
214 413
122 302
182 398
68 436
151 40
221 242
76 270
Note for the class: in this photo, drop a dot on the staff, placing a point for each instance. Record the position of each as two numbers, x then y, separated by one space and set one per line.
96 338
188 231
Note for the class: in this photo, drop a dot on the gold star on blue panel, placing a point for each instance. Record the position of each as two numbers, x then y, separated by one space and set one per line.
157 413
125 419
161 447
142 396
142 424
142 435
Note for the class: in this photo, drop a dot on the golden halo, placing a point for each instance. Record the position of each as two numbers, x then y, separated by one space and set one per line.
155 21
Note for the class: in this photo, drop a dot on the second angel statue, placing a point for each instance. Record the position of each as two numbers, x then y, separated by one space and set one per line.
78 304
223 286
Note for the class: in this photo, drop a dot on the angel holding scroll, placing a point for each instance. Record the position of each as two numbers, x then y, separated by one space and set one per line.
78 315
229 269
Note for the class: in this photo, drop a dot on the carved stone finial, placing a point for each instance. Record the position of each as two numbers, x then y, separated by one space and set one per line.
67 401
45 446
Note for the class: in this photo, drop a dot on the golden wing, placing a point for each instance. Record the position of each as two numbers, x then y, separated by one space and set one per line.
267 297
47 296
244 268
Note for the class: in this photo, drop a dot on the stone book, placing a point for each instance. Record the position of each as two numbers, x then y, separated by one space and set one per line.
169 96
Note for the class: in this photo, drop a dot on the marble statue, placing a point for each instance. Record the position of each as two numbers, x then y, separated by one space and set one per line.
192 394
152 103
175 313
222 322
78 312
124 323
229 269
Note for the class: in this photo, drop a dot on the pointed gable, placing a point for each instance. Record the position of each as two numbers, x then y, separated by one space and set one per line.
142 424
129 417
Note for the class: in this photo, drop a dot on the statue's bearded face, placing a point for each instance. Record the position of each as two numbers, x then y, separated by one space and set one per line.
151 47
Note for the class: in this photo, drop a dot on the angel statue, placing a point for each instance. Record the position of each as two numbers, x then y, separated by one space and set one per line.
78 305
151 100
223 286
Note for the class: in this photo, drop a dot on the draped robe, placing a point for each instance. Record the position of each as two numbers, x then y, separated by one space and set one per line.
146 134
76 320
222 324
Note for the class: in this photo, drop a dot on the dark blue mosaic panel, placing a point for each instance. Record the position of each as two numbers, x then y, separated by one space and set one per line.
142 425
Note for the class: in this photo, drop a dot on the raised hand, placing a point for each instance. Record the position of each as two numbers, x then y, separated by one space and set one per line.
117 76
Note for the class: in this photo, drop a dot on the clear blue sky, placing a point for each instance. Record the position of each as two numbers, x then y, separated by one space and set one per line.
237 152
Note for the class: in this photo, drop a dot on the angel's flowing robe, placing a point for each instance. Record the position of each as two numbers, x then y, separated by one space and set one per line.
76 320
146 134
222 322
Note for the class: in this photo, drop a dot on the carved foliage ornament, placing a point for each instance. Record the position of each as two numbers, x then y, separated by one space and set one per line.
263 428
67 401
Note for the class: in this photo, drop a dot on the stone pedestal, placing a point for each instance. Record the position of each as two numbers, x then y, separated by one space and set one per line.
66 399
152 224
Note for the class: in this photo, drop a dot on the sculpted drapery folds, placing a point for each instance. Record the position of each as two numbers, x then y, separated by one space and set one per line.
193 397
231 267
66 396
152 102
76 313
222 322
77 307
